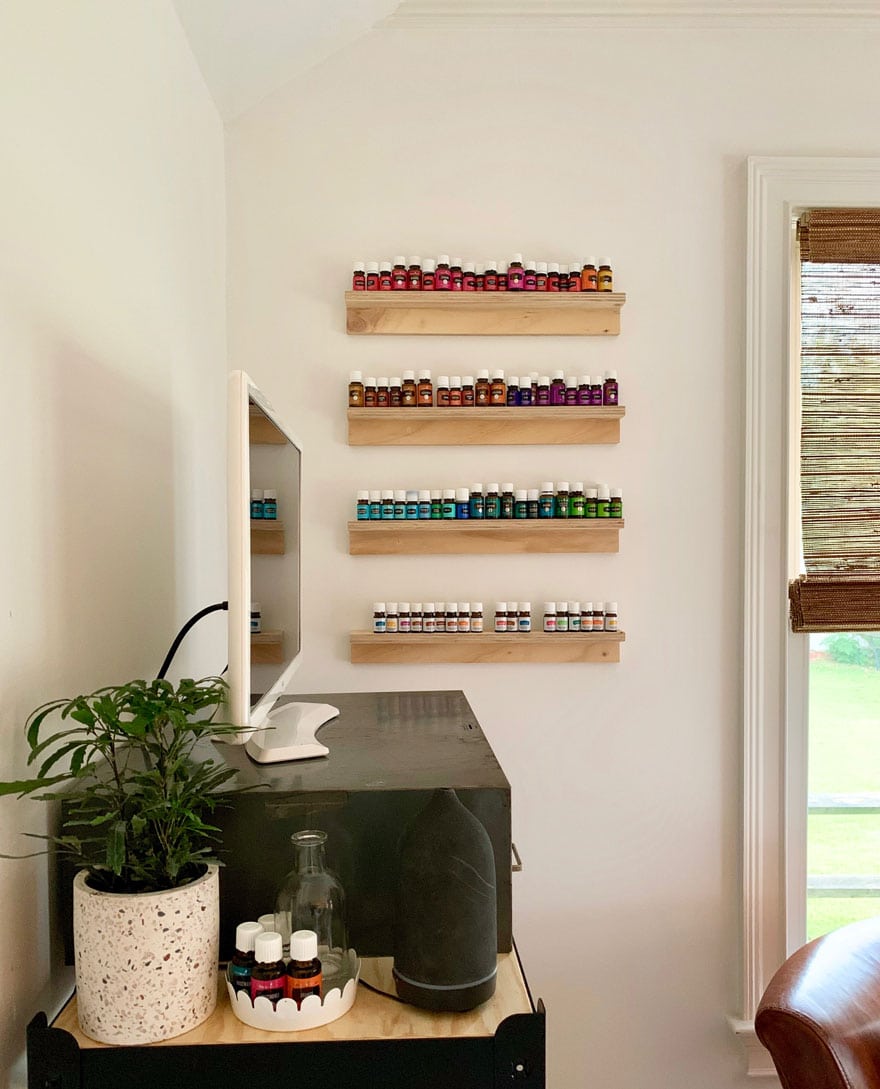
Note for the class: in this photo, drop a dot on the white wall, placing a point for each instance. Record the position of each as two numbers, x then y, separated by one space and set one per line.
112 354
631 143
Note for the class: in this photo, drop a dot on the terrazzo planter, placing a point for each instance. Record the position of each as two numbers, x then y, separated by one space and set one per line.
146 963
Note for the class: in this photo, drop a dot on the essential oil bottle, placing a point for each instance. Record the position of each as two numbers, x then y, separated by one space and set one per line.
395 393
257 503
610 389
443 276
492 502
606 278
520 503
547 500
464 617
603 502
561 504
392 619
372 275
477 502
507 500
448 510
583 397
550 616
500 616
557 389
375 506
456 274
380 624
571 390
498 389
429 270
268 974
562 616
356 390
462 503
384 275
611 616
417 621
524 616
429 620
590 276
399 275
482 389
256 618
363 506
414 274
404 618
436 504
574 616
477 616
450 623
270 505
425 390
516 273
370 392
358 277
243 960
424 503
304 975
532 503
408 391
615 503
467 391
468 276
399 504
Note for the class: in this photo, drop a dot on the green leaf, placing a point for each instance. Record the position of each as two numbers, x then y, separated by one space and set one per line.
116 847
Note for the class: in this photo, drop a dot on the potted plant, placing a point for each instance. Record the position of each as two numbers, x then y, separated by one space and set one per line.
136 819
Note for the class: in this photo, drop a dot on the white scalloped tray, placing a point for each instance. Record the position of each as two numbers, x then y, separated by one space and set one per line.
285 1017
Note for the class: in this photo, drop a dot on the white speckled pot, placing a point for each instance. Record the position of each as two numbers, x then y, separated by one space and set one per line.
146 963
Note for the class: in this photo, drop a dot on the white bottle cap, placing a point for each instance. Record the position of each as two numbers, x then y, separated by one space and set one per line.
483 374
557 375
478 488
404 606
468 380
492 488
385 266
424 375
587 607
392 606
396 380
417 607
388 494
358 266
604 492
270 493
245 933
461 495
363 495
456 262
507 487
435 494
464 606
383 380
516 259
547 486
491 265
429 265
424 495
455 383
429 606
451 607
616 493
468 266
513 380
500 606
409 376
552 266
532 494
303 945
571 381
541 267
356 376
476 606
441 607
256 607
267 947
534 377
371 381
578 486
610 607
591 261
530 263
498 374
267 921
399 260
449 493
415 261
503 267
257 493
562 606
443 259
564 270
599 607
479 269
592 493
378 606
400 496
411 496
549 606
604 261
375 497
562 486
574 606
520 494
372 266
611 376
443 380
584 380
525 606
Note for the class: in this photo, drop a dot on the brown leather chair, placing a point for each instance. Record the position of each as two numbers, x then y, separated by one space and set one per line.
820 1015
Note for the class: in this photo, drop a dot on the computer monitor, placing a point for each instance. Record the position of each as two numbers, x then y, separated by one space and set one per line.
265 569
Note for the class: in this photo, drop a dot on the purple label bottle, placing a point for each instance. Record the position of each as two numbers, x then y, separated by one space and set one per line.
610 389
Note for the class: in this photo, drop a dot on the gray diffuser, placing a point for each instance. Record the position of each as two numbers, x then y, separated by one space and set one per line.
445 940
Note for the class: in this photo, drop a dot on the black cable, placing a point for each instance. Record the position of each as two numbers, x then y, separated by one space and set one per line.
178 639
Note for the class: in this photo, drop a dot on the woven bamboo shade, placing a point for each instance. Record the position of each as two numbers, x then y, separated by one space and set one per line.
840 424
841 235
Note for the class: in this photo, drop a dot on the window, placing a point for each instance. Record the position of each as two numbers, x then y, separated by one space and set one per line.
775 663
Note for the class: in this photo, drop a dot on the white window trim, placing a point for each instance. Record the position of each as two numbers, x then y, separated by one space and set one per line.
775 663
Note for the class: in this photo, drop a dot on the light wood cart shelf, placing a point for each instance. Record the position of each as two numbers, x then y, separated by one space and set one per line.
574 425
267 648
487 647
267 537
484 313
481 536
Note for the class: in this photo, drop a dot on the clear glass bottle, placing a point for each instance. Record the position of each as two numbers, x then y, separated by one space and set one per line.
312 898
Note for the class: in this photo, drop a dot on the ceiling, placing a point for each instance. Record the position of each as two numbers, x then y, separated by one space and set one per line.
247 49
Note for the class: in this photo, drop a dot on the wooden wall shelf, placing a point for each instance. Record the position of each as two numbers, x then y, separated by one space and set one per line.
484 313
267 648
262 432
575 425
267 537
487 647
481 536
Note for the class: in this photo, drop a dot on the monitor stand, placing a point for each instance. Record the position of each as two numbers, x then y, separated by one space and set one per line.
289 733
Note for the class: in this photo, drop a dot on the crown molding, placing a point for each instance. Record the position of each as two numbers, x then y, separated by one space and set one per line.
567 14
